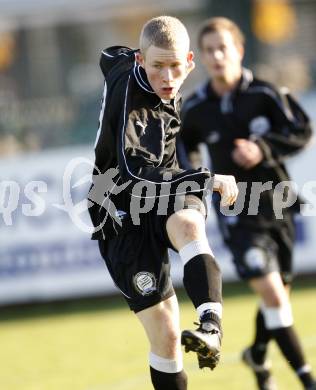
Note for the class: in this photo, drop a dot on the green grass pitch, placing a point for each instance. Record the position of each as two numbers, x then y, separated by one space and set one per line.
99 344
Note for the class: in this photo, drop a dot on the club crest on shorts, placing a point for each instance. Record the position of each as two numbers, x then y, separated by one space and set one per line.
145 283
255 258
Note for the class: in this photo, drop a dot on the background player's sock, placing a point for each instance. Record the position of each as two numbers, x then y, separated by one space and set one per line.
262 337
305 375
167 374
279 321
202 276
290 346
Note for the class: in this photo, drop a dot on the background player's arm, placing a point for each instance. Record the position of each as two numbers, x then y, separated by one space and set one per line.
290 131
247 154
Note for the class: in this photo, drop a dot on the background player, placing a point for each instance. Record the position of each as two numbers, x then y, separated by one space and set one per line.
249 128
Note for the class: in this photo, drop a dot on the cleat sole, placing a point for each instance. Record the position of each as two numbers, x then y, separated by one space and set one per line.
207 357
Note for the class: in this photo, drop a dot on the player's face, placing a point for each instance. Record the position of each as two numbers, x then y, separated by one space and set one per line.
222 56
166 69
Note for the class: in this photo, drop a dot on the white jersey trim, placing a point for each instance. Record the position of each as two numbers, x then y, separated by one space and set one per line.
101 115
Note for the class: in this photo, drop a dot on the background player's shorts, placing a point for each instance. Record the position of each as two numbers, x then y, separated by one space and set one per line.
258 251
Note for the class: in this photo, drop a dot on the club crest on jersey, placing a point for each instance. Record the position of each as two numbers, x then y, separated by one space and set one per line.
259 125
145 283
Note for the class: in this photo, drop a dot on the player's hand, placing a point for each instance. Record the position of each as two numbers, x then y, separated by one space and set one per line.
246 154
227 187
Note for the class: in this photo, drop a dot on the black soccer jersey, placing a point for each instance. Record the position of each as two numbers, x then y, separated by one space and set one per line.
136 137
257 111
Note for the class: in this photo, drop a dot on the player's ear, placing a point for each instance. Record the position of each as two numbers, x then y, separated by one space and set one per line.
139 58
241 51
190 63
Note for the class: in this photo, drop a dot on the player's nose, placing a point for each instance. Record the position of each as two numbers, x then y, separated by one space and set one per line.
218 54
167 74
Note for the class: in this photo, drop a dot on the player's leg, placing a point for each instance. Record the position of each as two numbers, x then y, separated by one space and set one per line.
139 265
161 323
278 318
254 257
202 279
261 339
277 311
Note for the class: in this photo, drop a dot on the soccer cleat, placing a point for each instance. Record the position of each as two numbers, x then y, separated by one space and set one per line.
205 341
265 380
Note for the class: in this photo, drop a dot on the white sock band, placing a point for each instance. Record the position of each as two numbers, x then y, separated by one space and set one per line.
277 317
166 365
304 370
194 248
215 307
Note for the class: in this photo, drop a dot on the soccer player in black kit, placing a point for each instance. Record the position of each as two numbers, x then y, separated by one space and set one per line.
249 127
136 171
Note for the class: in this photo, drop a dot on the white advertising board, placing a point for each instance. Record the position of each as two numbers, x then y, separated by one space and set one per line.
45 250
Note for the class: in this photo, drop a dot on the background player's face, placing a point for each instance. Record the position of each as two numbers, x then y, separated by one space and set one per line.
166 69
222 56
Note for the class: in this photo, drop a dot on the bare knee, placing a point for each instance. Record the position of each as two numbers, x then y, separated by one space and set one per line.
274 296
189 229
271 289
185 226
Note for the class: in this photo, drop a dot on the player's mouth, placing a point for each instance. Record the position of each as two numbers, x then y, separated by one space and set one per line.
218 67
168 90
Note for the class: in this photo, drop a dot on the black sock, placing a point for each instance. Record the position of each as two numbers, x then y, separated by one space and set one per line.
202 280
165 381
290 346
262 337
307 379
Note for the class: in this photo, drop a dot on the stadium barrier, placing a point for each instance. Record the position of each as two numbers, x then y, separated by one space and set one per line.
46 252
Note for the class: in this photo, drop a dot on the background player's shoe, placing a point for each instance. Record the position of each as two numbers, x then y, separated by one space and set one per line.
265 380
205 340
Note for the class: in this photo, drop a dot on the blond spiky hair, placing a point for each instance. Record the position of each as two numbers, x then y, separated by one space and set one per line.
165 32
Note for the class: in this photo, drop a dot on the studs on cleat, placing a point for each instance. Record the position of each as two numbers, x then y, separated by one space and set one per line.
205 344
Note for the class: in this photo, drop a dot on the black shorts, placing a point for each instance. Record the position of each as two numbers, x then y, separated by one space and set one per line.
259 250
138 262
138 259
